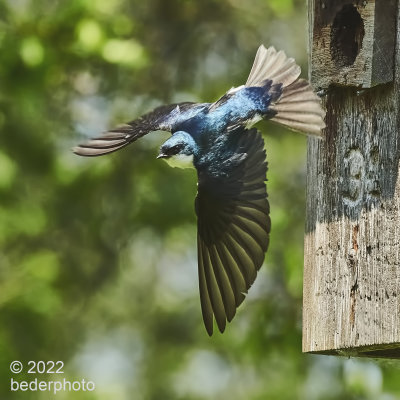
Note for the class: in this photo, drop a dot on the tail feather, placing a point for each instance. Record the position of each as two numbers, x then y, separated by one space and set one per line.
273 65
298 107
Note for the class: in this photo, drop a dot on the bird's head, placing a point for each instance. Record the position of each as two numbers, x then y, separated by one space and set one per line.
179 150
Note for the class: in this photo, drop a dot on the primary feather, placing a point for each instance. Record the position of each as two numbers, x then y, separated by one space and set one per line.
233 223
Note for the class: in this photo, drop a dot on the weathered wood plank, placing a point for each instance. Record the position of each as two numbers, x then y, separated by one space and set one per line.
352 242
352 42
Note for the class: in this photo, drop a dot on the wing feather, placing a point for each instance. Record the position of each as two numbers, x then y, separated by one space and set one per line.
161 118
205 301
233 223
214 290
234 273
224 284
245 260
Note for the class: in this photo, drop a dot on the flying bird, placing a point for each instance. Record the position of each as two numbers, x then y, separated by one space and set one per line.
218 140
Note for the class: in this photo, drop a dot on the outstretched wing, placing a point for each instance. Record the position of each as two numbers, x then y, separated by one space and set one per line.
233 224
161 118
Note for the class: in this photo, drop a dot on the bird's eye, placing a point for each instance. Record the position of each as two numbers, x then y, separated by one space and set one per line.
177 148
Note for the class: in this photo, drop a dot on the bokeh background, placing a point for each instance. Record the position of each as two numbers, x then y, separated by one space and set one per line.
98 256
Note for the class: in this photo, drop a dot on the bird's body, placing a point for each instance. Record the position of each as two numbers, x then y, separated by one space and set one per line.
231 204
239 106
206 122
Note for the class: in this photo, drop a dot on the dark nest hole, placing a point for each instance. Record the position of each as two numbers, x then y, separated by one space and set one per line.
347 34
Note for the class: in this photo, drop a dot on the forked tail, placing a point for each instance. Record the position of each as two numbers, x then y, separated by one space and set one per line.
298 107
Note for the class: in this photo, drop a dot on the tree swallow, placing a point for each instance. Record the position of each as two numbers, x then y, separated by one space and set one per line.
217 139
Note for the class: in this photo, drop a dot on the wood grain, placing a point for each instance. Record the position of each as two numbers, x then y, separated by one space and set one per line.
352 243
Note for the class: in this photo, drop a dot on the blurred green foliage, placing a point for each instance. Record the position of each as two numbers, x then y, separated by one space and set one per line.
98 256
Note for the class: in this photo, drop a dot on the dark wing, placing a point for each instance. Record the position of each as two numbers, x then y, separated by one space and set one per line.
161 118
233 224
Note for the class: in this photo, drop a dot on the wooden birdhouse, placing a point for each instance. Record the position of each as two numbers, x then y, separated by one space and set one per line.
352 241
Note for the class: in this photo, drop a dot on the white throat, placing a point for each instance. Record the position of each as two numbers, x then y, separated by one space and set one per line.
180 161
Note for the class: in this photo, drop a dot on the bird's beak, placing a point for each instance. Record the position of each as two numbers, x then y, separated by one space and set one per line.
162 155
